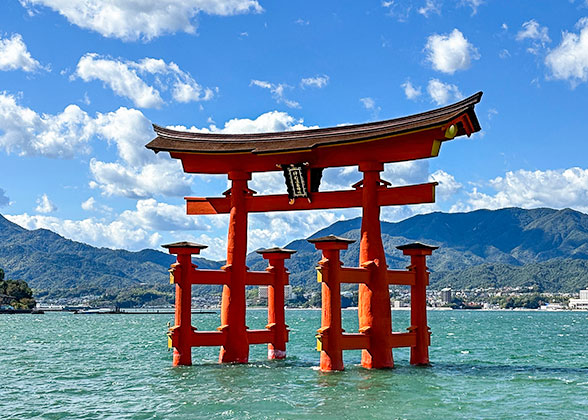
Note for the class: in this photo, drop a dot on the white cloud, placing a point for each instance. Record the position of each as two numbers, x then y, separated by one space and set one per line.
443 93
92 205
133 229
450 53
14 55
272 121
447 187
44 205
147 19
411 91
474 4
569 60
430 7
280 228
140 173
277 92
529 189
165 176
532 30
25 132
122 77
368 103
4 200
158 216
116 234
317 81
537 34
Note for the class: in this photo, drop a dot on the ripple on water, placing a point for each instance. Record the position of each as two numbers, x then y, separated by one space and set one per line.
484 365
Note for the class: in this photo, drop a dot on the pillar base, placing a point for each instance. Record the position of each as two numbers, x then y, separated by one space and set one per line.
276 354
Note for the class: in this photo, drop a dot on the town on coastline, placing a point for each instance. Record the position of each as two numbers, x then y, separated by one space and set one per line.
507 298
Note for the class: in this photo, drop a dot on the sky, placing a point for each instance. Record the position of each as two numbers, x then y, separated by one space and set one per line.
82 81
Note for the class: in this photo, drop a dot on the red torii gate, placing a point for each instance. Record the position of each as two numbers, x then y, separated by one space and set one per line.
368 146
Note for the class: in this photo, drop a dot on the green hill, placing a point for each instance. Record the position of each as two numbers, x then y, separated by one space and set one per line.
544 248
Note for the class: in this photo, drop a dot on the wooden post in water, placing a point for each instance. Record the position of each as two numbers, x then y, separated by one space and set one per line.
180 275
419 354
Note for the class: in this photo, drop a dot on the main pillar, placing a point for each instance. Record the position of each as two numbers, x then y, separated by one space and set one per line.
419 354
233 305
276 317
375 316
180 274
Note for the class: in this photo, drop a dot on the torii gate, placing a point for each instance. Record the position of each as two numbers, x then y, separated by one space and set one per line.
302 155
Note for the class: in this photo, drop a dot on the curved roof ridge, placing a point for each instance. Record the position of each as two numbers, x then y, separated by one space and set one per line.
408 123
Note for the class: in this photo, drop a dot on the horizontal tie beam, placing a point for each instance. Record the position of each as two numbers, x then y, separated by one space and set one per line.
410 194
403 278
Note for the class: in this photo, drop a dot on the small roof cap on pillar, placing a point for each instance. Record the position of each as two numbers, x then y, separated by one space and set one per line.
417 245
184 244
331 238
276 250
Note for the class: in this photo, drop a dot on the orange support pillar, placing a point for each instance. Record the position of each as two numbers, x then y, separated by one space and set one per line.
375 316
276 317
330 335
233 305
180 273
419 354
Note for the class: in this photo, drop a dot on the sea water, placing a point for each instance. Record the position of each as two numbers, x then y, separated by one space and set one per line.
485 365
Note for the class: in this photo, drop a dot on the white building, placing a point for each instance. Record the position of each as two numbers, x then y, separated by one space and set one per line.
446 295
581 303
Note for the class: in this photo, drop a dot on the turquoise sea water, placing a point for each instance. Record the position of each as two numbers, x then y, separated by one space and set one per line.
486 365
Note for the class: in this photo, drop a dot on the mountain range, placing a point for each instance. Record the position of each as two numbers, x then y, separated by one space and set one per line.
542 248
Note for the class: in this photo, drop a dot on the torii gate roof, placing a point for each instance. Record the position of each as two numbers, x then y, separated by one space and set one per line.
407 138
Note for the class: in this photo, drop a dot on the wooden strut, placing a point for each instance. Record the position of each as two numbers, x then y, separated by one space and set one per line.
183 336
387 196
332 339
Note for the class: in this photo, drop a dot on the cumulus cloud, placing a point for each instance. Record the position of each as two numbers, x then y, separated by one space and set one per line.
529 189
123 78
139 173
443 93
4 200
450 53
277 91
133 229
272 121
92 205
158 216
447 187
14 55
44 205
317 81
116 234
27 133
147 19
569 60
411 91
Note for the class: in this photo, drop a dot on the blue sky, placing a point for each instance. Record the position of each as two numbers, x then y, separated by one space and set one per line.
80 83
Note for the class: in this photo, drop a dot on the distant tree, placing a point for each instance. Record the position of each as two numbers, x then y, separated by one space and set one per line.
19 290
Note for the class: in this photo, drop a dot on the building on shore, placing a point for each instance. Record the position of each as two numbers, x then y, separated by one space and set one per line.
446 295
582 302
